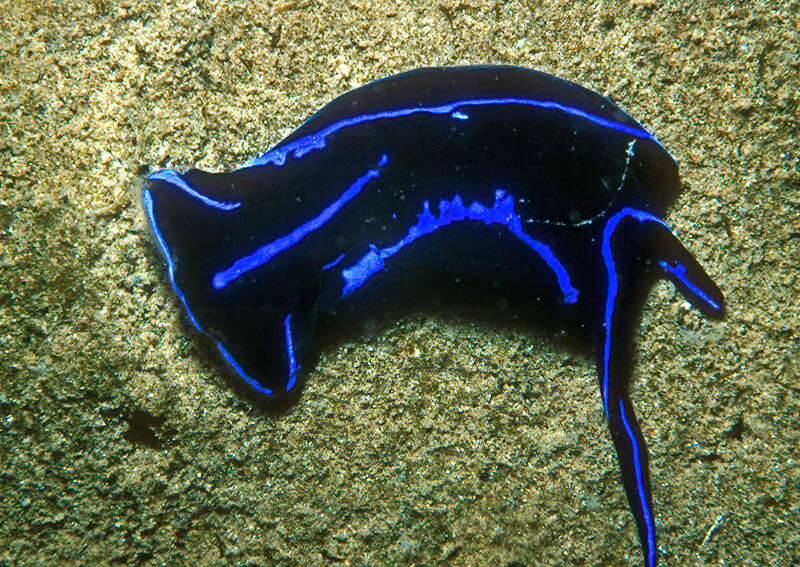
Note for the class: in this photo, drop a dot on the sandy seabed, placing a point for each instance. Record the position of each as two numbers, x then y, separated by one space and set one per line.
429 440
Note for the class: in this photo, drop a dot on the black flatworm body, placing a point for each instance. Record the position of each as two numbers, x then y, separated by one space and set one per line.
501 179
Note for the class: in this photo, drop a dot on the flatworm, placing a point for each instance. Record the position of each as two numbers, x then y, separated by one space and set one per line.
505 179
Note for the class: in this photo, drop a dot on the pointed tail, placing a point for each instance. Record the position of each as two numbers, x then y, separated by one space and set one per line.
680 267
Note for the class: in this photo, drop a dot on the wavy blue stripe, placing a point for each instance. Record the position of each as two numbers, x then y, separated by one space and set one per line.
501 212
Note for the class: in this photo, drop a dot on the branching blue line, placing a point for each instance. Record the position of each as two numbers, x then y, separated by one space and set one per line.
293 366
317 141
264 254
171 176
502 212
679 271
648 519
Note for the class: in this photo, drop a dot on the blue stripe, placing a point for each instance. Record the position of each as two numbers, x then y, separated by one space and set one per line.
172 177
148 207
242 374
648 519
613 284
264 254
293 366
317 141
679 271
333 263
